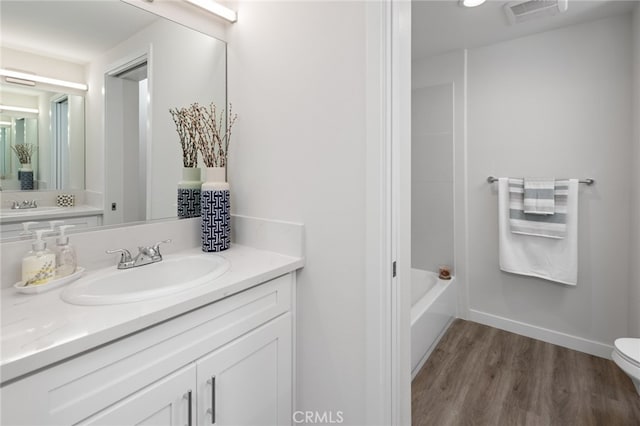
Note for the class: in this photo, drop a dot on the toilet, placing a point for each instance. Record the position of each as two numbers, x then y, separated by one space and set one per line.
627 356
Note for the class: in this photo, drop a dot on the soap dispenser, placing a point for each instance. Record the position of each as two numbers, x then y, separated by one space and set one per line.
26 232
38 266
55 223
66 262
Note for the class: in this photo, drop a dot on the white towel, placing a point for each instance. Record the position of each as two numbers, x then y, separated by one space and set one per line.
550 226
547 258
539 196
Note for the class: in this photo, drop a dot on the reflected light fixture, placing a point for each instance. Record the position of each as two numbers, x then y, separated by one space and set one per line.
20 81
471 3
5 123
216 8
40 79
19 109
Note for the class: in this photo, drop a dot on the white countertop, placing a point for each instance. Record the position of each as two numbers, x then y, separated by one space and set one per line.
38 330
46 212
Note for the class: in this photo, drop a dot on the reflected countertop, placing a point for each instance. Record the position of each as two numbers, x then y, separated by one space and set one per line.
8 215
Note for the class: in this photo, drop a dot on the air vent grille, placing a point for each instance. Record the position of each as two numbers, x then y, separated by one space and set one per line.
521 11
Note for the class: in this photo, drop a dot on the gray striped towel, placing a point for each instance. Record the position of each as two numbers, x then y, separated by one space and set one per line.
551 226
539 195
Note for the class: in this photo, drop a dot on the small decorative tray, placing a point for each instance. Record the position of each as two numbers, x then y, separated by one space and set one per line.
41 288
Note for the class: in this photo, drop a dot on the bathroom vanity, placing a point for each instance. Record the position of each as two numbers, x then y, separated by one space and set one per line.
220 353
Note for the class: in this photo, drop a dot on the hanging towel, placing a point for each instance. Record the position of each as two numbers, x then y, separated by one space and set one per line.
551 226
539 196
547 258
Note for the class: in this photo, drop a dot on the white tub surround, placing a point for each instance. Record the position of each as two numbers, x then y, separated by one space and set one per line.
40 330
433 308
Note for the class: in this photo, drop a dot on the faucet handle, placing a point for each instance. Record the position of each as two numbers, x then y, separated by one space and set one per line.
125 257
156 247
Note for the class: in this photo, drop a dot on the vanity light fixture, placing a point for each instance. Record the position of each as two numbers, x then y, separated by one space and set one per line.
40 79
19 109
471 3
5 123
216 8
20 81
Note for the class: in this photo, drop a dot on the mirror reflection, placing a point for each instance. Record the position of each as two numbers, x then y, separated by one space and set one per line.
48 142
114 147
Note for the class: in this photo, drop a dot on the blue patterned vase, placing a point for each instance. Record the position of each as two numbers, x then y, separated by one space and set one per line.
25 176
215 211
189 193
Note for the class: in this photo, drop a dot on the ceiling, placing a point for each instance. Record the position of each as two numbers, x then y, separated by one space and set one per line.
442 26
74 31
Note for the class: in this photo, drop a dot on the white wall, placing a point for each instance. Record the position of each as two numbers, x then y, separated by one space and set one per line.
555 104
297 80
185 66
41 65
634 299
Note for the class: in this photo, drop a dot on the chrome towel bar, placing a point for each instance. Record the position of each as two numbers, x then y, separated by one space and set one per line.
588 181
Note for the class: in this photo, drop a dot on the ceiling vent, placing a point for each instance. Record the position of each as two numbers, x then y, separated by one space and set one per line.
522 11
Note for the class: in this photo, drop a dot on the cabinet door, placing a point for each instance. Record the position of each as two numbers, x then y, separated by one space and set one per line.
169 401
248 381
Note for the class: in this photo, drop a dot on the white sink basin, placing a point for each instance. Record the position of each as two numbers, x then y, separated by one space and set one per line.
171 275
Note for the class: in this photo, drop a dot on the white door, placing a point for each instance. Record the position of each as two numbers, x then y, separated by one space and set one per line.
248 381
170 401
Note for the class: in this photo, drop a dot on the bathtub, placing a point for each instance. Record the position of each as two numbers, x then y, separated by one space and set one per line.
433 308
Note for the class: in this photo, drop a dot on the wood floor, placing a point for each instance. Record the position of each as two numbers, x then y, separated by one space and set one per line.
479 375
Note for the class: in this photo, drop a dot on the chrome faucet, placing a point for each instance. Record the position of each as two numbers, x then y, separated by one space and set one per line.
15 205
146 255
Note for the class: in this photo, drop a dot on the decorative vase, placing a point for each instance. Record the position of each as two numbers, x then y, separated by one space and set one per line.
189 193
25 176
215 211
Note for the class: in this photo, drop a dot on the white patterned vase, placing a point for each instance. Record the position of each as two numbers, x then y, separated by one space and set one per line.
189 193
215 210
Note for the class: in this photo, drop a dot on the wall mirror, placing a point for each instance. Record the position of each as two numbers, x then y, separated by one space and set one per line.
117 142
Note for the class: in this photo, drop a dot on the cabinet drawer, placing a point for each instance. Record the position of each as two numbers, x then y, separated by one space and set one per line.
75 389
168 401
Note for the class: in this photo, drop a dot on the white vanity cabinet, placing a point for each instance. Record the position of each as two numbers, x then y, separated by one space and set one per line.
168 402
241 384
227 363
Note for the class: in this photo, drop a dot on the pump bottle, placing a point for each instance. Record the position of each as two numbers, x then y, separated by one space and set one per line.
66 262
38 266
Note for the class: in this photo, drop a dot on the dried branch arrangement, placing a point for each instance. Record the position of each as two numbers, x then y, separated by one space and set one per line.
204 129
185 119
214 139
24 152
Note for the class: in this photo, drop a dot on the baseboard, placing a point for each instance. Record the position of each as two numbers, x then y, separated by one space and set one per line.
426 356
550 336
